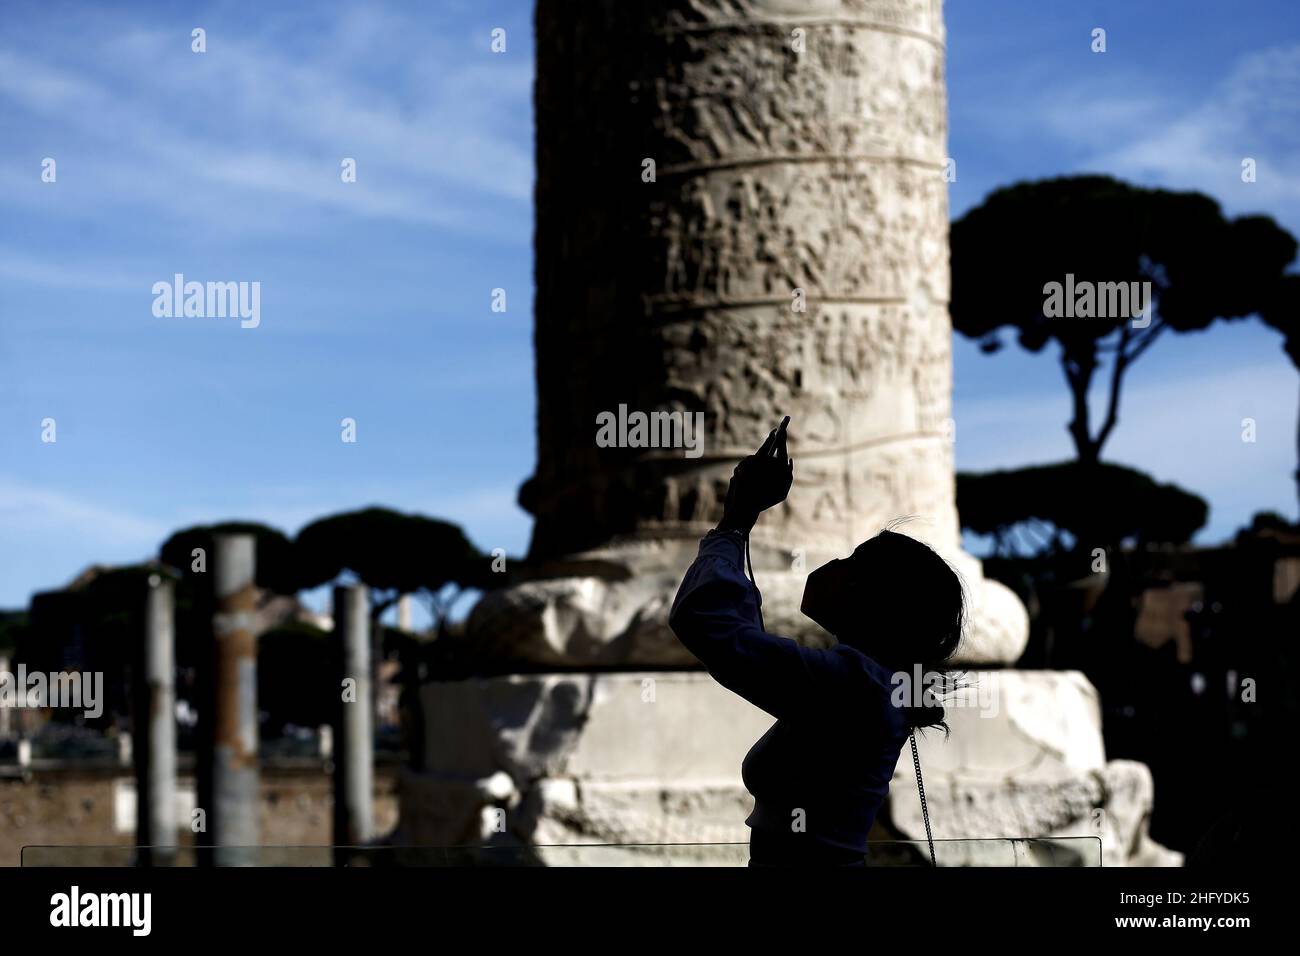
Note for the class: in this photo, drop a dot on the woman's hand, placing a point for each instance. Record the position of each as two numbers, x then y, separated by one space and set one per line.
759 482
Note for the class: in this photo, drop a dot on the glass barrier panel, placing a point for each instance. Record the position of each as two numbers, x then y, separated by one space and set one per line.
1027 851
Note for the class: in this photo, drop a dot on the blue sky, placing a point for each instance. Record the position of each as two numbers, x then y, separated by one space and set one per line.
375 295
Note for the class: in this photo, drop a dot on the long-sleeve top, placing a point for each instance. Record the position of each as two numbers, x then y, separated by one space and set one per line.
837 736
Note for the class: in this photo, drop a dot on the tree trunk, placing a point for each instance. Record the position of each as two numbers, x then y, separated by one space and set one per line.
1086 449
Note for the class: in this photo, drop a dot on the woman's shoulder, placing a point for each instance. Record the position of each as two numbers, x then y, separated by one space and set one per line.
871 670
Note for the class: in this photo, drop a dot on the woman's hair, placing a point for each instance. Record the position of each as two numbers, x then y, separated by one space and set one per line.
913 613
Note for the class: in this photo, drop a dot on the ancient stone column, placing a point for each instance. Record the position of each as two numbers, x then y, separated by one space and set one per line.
236 794
354 769
741 214
156 729
6 720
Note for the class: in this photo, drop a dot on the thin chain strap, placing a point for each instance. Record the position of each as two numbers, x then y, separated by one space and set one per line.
925 811
752 580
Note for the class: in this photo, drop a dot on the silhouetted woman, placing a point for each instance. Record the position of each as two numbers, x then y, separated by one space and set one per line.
820 774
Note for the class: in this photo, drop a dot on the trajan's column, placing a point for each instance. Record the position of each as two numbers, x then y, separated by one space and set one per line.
741 214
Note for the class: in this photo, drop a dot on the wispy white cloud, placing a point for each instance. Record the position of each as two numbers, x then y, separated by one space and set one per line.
27 508
65 273
1138 127
1254 112
262 123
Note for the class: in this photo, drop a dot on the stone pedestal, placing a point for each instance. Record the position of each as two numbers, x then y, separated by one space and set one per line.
1025 758
649 760
629 758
